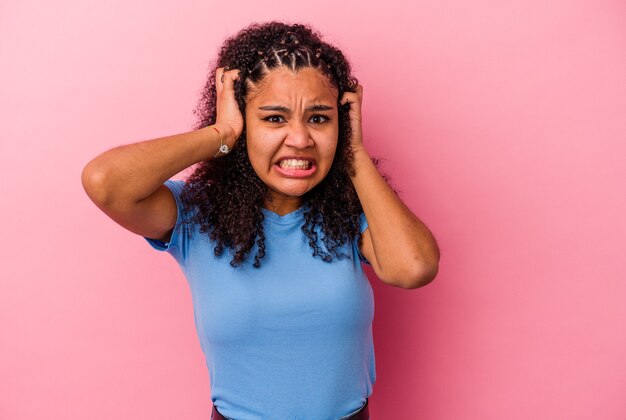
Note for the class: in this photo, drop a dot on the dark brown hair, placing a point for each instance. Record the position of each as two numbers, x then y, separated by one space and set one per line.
226 192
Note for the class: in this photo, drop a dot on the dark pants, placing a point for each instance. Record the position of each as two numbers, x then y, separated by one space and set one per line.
360 414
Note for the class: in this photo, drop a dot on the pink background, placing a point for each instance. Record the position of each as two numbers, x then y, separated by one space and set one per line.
503 126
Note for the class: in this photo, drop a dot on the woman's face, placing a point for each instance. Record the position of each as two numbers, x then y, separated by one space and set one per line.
292 129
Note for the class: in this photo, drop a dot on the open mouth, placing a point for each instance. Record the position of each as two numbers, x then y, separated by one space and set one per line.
296 168
295 164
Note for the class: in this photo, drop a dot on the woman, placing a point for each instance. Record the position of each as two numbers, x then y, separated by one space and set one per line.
286 186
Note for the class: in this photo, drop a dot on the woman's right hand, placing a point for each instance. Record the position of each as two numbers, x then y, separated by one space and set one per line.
229 117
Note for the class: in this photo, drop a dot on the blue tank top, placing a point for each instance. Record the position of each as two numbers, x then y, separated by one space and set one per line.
291 339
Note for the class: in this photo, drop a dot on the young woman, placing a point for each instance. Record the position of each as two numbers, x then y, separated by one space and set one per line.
272 226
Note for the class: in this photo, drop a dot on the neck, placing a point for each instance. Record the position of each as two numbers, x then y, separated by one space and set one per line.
282 206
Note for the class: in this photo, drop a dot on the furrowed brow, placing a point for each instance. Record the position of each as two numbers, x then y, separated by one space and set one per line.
280 108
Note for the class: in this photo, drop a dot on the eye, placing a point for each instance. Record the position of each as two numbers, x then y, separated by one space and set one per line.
321 116
272 116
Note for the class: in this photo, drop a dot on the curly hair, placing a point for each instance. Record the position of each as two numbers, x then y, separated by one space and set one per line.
227 194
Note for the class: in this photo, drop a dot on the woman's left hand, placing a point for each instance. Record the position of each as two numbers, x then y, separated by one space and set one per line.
355 99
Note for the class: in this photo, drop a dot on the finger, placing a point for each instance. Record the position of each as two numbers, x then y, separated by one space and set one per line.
347 97
219 79
235 74
229 78
350 101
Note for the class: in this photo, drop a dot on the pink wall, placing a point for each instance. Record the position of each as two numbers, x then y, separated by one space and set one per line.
501 124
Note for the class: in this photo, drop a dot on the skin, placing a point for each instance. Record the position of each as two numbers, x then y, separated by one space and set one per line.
273 134
399 246
127 182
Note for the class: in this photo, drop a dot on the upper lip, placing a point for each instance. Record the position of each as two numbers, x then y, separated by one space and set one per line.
310 159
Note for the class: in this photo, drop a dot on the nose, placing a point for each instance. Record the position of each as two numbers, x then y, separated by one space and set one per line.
298 135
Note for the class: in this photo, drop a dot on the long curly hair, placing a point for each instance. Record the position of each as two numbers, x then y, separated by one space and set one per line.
226 192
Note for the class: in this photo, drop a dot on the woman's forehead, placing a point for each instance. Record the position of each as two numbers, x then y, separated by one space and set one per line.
284 84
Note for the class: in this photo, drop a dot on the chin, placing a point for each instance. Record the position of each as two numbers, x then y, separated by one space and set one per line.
293 192
297 190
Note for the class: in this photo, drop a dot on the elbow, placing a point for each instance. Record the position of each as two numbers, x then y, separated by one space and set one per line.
424 277
425 269
93 181
420 276
411 272
410 278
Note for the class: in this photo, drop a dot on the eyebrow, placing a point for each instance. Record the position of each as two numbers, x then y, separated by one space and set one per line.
280 108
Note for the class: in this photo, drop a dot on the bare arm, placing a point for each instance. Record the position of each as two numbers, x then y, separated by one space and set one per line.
399 246
401 249
126 182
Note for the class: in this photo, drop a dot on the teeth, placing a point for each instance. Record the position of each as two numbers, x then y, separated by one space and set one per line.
295 164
